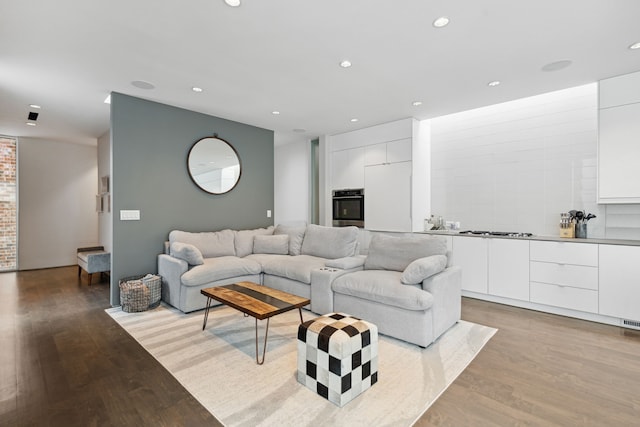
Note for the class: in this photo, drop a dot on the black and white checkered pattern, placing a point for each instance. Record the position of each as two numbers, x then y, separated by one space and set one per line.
338 356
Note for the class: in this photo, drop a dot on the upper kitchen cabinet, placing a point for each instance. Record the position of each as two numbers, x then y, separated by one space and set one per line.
347 169
619 134
388 152
391 162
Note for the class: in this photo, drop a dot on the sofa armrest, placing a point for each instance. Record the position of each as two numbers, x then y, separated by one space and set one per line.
171 270
321 293
446 288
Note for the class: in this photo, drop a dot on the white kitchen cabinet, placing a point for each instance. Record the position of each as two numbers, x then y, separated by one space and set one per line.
471 253
564 274
620 281
619 90
347 169
388 152
618 154
508 268
618 135
387 200
564 252
396 198
564 297
375 154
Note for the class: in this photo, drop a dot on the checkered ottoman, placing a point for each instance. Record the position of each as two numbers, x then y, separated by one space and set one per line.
338 356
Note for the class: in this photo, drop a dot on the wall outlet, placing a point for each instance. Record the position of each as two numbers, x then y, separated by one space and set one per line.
268 213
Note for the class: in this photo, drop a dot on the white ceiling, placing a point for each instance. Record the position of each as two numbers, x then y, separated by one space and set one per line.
283 55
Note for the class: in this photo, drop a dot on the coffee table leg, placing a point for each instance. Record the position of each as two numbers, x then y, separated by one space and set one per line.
206 313
264 349
300 311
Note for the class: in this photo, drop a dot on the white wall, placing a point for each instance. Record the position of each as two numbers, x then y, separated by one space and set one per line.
292 174
57 184
516 166
105 225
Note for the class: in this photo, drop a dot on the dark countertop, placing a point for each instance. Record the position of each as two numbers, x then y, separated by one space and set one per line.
598 241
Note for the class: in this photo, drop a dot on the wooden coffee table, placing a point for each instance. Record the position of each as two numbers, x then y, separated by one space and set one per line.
260 302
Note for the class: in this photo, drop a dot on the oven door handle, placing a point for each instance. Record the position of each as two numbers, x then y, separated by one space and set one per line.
347 197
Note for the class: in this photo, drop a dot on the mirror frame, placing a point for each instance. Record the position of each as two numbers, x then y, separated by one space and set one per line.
235 152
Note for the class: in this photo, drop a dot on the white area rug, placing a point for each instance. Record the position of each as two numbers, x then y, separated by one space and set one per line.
217 366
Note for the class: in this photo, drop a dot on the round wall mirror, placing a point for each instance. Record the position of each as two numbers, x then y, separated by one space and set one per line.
214 165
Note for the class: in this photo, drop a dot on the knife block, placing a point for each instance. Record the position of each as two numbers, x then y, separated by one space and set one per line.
569 232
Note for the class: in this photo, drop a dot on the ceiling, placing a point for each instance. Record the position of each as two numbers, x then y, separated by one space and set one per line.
284 55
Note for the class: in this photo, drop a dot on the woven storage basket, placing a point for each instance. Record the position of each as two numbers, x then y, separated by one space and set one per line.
140 293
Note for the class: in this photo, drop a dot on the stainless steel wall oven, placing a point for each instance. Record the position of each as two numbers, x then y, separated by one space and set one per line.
348 207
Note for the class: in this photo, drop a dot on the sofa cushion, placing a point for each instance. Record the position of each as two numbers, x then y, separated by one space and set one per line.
271 244
187 252
219 268
346 263
330 242
296 235
244 239
423 268
396 253
210 244
383 287
293 267
263 259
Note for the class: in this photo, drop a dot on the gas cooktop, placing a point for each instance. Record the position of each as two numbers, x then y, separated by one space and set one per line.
496 233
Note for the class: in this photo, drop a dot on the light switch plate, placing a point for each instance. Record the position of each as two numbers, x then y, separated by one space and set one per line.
268 213
130 215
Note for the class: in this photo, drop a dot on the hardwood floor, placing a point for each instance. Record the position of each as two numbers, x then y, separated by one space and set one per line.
65 362
544 370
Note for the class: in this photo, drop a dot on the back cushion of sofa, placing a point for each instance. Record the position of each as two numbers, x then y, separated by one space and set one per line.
244 239
210 244
330 242
397 252
296 235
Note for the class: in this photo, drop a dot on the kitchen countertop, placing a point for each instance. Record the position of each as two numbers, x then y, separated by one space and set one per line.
622 242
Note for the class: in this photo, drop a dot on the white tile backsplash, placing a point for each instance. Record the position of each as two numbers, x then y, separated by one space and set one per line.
516 166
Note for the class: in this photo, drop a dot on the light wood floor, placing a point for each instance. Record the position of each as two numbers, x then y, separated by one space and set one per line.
64 362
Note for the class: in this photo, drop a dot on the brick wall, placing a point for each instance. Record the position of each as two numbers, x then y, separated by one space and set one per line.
8 213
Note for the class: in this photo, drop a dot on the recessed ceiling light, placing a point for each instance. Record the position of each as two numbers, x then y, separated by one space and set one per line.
443 21
345 64
275 113
31 123
196 89
232 3
416 103
558 65
354 120
35 106
635 46
107 100
140 84
494 83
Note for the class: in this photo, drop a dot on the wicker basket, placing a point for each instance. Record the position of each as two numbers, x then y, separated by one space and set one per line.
140 293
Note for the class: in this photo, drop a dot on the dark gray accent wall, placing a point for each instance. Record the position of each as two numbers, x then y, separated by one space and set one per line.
149 147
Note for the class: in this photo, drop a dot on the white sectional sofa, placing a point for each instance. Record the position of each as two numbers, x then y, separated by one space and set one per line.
403 285
281 257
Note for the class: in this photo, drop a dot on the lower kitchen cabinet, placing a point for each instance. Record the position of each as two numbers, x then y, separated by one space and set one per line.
564 296
620 281
471 253
509 268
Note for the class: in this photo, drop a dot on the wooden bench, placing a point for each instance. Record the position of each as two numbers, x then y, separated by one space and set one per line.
93 259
